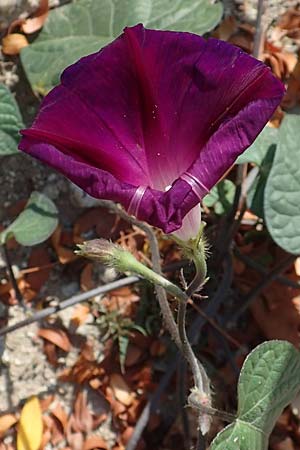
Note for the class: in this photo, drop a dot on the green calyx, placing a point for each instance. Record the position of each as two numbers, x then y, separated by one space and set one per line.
196 250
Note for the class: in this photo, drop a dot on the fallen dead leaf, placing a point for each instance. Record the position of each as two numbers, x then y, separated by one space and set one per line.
6 290
116 406
292 95
36 22
57 337
30 427
79 315
6 422
86 277
121 390
13 43
95 383
133 355
82 417
227 28
75 440
290 19
282 63
297 266
285 444
46 437
39 258
60 414
94 443
99 219
126 435
65 255
157 348
278 314
46 401
50 351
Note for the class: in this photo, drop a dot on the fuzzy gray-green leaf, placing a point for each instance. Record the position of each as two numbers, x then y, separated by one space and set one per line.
10 122
35 223
282 192
84 26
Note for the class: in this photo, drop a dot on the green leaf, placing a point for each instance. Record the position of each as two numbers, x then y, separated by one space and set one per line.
255 196
282 193
10 122
240 436
257 151
123 341
35 223
220 197
84 26
269 380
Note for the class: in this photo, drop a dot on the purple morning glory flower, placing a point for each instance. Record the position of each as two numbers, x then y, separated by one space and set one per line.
153 121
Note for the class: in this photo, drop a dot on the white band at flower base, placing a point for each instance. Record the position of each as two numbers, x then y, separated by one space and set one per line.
136 200
197 187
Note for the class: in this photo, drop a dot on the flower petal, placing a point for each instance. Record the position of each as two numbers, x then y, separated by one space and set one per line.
155 207
152 109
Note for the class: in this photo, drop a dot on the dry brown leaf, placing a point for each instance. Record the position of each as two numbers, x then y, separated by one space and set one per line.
33 24
157 348
133 355
121 390
86 277
134 411
126 435
45 402
50 352
297 266
57 434
281 63
46 438
226 28
290 19
292 96
99 219
83 419
94 443
278 315
75 440
285 444
30 427
64 254
95 383
39 257
60 414
57 337
116 406
86 368
79 315
27 293
13 43
143 378
6 422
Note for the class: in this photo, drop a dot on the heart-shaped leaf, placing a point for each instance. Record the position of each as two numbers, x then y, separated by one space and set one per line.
269 380
220 197
85 26
10 122
35 223
255 195
282 193
256 153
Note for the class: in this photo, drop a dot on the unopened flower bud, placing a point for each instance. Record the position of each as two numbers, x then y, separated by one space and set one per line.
108 253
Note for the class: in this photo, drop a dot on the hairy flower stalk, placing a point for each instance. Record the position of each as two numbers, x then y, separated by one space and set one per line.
115 256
